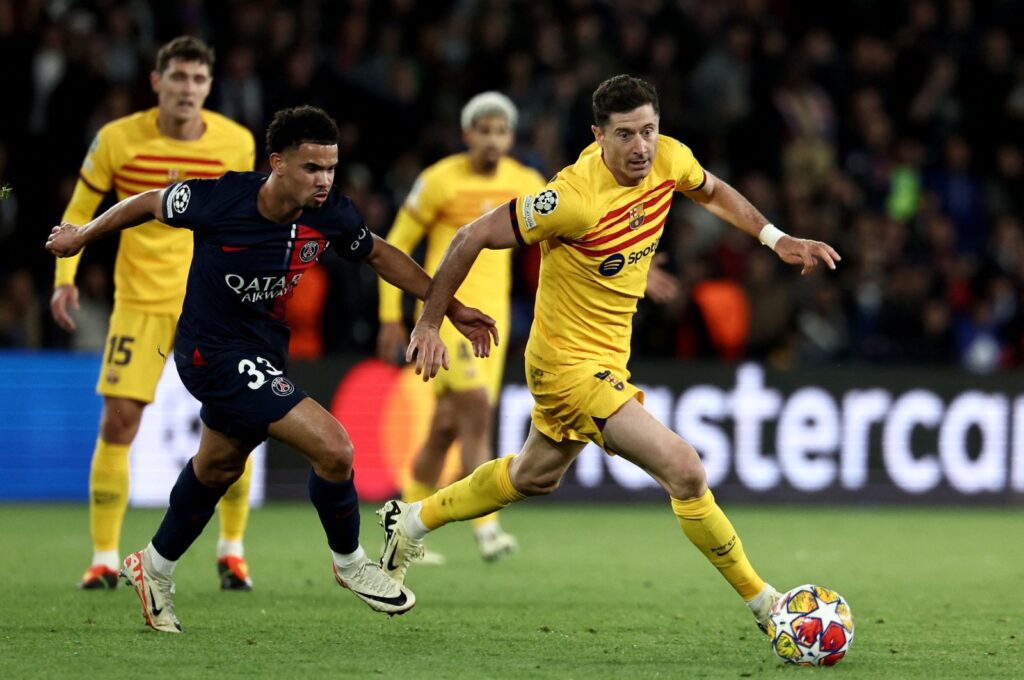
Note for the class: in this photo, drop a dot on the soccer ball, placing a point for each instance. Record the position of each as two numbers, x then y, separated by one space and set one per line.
811 626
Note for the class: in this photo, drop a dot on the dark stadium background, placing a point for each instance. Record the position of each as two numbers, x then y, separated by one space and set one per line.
892 129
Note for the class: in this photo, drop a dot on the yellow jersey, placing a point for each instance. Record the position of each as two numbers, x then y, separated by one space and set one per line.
445 197
597 239
130 156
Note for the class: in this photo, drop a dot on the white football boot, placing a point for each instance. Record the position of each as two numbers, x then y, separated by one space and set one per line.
399 547
762 605
495 545
369 583
156 593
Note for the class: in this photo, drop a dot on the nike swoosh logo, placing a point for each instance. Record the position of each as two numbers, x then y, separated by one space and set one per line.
391 560
152 603
396 601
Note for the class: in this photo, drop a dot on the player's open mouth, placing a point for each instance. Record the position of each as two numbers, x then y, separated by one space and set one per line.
638 165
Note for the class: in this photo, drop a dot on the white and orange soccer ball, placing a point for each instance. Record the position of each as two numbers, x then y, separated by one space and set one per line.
811 626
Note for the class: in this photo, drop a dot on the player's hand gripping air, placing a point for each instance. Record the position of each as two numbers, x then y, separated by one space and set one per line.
429 352
792 250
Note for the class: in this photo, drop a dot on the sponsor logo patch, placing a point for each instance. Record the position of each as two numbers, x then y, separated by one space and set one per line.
612 265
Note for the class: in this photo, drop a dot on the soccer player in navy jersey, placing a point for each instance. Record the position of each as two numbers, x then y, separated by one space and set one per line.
254 236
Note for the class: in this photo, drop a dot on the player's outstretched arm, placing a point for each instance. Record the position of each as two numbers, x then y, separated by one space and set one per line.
68 239
492 230
725 202
401 271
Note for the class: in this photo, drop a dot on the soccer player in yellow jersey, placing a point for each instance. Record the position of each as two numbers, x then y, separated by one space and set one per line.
598 223
449 194
174 141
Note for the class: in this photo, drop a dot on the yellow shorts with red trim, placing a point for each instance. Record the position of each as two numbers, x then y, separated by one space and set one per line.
574 401
138 344
465 371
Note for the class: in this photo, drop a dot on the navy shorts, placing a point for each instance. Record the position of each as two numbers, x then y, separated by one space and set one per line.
242 391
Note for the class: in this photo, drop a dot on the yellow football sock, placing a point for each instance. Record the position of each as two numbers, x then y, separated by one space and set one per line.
485 521
234 506
415 490
710 530
108 494
489 488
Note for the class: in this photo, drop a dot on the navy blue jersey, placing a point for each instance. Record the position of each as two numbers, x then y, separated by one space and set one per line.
244 266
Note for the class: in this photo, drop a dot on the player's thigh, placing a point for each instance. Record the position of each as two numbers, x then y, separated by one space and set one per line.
138 344
542 462
574 401
640 438
312 431
242 391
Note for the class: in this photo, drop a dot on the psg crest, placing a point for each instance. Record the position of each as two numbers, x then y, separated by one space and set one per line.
282 386
309 251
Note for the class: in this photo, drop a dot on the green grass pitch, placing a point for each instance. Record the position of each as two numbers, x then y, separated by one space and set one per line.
596 592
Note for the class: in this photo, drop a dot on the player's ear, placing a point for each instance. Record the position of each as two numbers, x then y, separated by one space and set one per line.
598 135
154 79
277 163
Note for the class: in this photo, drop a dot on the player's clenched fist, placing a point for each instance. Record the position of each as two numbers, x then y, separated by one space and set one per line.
65 240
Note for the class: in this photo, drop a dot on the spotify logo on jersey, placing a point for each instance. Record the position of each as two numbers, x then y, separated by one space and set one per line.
612 265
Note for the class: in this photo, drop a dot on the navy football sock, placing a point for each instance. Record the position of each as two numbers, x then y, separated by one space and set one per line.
191 507
338 506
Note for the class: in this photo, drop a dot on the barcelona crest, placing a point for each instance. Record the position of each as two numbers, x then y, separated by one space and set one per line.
636 216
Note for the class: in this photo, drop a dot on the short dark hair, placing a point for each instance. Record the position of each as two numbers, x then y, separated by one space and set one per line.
621 94
186 48
301 124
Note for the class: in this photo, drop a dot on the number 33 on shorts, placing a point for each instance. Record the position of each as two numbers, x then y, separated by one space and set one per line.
258 371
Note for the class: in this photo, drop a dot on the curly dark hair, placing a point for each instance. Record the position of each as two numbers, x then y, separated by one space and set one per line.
186 48
621 94
298 125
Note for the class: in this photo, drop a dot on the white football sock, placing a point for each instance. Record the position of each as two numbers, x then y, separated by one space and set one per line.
345 563
225 548
108 558
161 565
414 526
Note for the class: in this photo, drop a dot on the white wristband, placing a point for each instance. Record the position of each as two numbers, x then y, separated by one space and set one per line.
770 235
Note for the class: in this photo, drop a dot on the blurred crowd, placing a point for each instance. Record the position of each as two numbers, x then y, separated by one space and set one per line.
892 129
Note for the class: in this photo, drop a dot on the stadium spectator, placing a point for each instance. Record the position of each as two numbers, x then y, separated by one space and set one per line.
903 81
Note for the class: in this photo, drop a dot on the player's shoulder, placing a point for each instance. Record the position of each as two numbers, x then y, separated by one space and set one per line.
438 179
134 125
447 168
580 181
522 172
673 147
229 187
222 126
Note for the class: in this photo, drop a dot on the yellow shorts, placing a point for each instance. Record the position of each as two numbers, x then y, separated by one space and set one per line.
467 372
574 401
138 344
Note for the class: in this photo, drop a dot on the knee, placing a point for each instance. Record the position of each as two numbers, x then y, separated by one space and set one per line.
535 484
219 473
120 420
335 462
684 477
